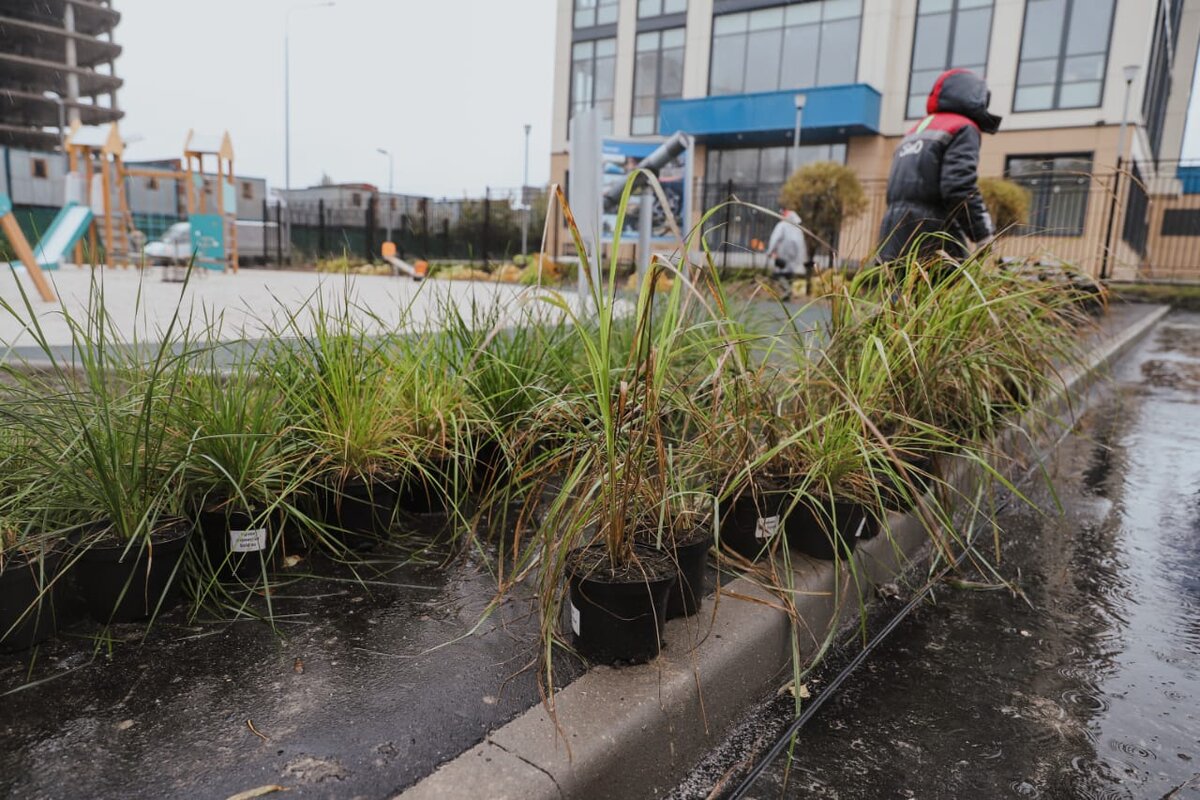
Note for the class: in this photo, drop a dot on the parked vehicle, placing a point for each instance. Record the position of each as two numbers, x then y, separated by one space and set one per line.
175 246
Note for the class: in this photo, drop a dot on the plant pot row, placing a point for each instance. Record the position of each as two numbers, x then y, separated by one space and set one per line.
620 619
117 582
108 580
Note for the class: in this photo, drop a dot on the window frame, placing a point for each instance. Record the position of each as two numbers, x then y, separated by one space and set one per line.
663 13
593 43
595 23
658 78
39 169
1061 58
1033 227
950 40
821 24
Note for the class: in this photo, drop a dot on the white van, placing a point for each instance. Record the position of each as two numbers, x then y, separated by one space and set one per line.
175 247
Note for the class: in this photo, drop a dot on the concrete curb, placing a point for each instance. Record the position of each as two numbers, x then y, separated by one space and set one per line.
635 732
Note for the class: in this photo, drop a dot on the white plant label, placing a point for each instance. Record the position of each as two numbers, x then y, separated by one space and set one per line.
767 527
574 619
248 541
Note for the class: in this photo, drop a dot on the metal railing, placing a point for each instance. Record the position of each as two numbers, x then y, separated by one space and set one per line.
482 229
1141 223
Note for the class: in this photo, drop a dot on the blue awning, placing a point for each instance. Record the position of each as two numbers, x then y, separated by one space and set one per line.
831 114
1190 177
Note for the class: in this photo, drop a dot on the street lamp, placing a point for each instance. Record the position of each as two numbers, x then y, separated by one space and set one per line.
1131 73
391 187
525 198
800 101
287 86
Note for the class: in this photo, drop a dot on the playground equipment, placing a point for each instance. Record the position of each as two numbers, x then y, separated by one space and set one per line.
95 158
211 198
71 222
402 267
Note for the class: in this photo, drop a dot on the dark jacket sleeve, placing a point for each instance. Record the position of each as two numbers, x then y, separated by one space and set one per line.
960 185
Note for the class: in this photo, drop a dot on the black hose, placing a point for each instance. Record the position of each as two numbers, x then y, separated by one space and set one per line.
761 767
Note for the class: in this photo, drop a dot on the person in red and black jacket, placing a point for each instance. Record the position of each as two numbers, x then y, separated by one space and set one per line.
933 186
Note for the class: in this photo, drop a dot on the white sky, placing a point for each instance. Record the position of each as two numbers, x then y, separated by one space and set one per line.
446 85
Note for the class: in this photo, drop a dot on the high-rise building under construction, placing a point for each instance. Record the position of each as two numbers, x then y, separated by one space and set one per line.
57 66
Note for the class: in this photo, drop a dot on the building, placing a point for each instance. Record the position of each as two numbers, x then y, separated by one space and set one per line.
57 66
729 71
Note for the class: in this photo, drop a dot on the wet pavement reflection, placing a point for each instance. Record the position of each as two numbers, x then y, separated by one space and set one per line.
1091 689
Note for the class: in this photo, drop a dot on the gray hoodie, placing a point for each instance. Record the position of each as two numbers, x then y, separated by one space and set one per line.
788 244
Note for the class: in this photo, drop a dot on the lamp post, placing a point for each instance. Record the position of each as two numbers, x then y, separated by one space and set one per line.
287 98
800 101
1131 73
525 198
391 187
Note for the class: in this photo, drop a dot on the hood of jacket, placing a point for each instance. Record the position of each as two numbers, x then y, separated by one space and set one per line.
961 91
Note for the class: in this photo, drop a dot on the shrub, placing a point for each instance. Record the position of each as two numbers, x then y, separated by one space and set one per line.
1007 202
825 194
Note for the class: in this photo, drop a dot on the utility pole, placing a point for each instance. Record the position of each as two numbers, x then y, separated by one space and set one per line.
287 101
525 197
391 188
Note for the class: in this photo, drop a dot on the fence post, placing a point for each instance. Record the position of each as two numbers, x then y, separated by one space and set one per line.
423 207
279 231
487 224
728 223
1112 217
446 238
371 201
266 233
322 249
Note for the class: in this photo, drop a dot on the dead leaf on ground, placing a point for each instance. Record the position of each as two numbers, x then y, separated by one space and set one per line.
261 791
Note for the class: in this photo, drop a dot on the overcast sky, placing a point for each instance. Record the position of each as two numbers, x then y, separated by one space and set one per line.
446 85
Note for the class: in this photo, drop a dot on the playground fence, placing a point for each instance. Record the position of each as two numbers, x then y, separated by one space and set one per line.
482 229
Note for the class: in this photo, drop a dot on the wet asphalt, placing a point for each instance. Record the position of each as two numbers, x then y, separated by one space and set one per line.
1084 685
344 699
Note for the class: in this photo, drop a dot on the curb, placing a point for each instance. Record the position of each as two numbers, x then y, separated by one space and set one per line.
635 732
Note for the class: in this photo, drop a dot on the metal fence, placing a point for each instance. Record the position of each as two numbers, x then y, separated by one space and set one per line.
483 229
1140 223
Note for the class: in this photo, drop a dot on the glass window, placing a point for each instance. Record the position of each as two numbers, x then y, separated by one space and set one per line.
658 8
1064 54
786 47
950 34
658 76
1059 187
593 73
590 13
766 166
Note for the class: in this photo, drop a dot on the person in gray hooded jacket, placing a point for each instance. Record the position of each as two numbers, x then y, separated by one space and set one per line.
933 186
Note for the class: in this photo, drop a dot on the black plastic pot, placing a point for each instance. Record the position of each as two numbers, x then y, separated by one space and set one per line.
752 520
358 512
238 545
492 466
618 620
27 594
688 590
121 582
828 531
426 490
900 495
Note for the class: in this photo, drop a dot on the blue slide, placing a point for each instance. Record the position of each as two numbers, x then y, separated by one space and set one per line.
63 234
